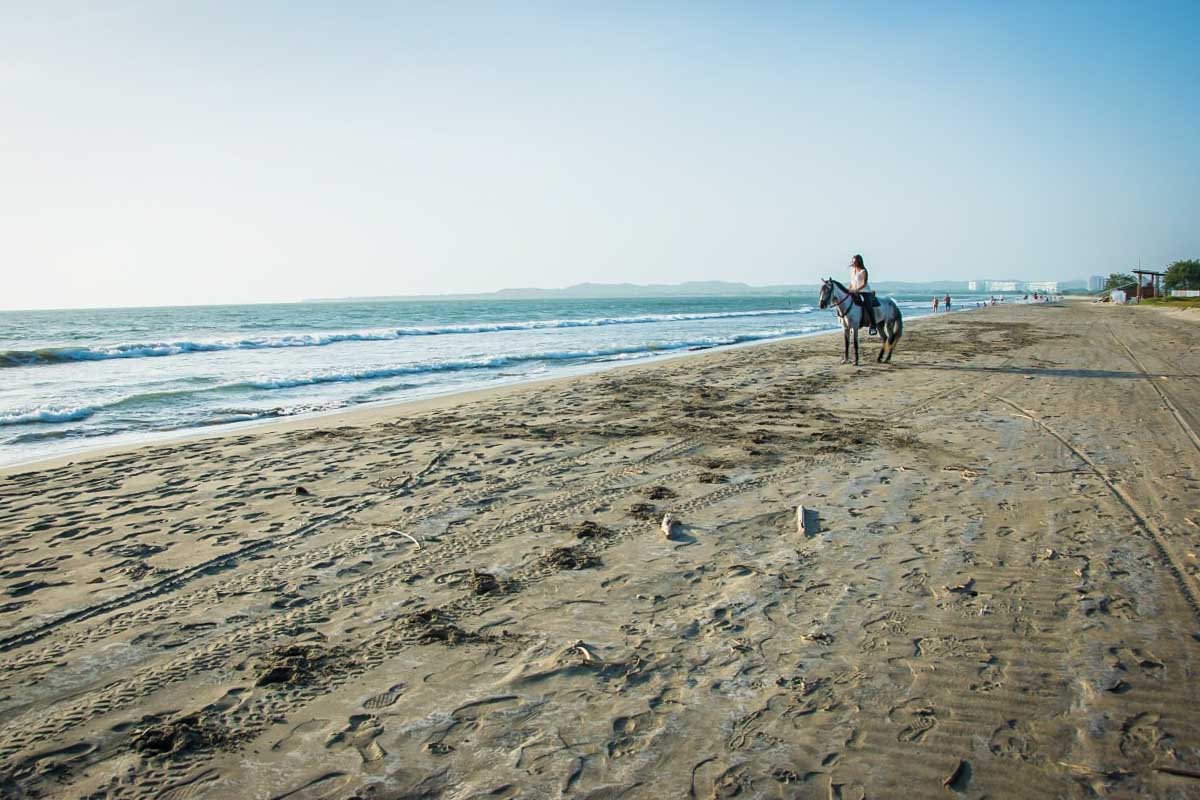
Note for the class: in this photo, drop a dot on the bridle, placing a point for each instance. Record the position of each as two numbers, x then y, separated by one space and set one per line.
838 303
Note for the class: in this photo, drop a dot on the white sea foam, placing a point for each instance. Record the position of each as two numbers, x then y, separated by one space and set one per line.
101 352
48 414
509 360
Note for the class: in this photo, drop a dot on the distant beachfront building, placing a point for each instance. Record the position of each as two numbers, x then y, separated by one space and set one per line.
993 286
1042 286
1096 283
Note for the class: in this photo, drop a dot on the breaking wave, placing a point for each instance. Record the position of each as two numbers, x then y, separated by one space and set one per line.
51 414
66 354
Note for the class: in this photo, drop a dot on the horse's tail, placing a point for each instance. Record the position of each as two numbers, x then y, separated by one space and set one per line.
899 325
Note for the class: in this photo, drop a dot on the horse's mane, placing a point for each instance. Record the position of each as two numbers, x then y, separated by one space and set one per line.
838 284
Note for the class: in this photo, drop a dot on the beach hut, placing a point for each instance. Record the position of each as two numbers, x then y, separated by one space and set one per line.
1149 283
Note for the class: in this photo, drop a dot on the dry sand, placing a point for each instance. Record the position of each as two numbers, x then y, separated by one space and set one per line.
474 598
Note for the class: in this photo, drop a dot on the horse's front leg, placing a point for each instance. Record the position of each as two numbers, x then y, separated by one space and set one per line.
846 342
856 347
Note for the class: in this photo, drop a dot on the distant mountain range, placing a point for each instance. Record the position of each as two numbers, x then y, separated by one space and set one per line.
586 291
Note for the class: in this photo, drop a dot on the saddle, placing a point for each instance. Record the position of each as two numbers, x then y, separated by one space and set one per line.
861 297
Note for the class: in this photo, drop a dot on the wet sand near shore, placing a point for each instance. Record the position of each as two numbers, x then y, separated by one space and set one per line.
474 598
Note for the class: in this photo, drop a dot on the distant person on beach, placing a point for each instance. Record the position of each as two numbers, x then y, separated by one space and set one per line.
862 290
946 301
935 304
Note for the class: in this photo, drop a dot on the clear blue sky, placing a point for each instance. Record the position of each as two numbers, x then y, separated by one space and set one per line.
155 153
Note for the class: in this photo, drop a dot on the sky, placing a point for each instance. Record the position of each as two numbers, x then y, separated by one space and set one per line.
158 153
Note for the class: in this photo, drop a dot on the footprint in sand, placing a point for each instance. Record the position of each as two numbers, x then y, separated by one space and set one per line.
306 727
634 733
1014 739
1143 738
193 787
628 733
1127 659
360 732
917 718
329 785
384 699
51 761
991 676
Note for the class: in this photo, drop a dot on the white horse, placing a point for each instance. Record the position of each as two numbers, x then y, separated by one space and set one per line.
887 319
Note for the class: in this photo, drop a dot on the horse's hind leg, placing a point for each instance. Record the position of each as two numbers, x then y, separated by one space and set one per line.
846 341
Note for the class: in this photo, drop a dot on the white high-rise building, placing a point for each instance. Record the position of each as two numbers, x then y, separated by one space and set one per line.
1003 286
1042 286
1096 283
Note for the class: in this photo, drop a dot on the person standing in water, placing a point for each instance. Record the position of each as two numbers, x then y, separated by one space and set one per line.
936 300
946 301
862 290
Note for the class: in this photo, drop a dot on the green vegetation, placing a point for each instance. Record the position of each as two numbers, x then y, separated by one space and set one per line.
1172 302
1183 275
1119 279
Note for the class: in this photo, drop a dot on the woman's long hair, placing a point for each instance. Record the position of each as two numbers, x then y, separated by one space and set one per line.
858 262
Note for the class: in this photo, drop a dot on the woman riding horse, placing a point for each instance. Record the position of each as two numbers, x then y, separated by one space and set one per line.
862 291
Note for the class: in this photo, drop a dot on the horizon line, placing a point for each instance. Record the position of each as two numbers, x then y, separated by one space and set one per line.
510 289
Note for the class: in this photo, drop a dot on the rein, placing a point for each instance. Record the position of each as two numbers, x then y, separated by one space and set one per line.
838 303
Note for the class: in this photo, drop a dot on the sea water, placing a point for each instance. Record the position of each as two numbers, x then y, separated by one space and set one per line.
75 379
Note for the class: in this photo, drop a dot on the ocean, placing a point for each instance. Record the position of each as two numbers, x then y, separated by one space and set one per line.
77 379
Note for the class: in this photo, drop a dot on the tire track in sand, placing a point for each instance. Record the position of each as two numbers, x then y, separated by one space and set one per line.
52 723
183 576
1142 520
259 713
1183 424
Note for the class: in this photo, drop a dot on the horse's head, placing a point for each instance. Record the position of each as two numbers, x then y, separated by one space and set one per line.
826 292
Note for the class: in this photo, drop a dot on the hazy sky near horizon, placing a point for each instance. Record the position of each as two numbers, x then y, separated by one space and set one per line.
162 153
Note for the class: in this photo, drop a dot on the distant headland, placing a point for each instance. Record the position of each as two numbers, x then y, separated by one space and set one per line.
585 291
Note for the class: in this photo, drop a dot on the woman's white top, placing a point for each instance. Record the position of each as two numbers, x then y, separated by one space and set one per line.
858 280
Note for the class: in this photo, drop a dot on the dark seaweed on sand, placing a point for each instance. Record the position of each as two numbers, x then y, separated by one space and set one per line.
571 558
297 664
432 625
591 530
185 734
483 583
644 511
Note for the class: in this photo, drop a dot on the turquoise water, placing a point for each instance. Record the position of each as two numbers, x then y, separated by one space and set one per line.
76 379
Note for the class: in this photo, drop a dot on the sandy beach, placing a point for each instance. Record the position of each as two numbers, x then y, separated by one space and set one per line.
473 597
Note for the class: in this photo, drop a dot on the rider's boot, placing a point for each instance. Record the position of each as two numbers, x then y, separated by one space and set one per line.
870 318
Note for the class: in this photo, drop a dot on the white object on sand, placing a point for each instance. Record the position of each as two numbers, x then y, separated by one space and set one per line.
410 538
668 525
801 526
